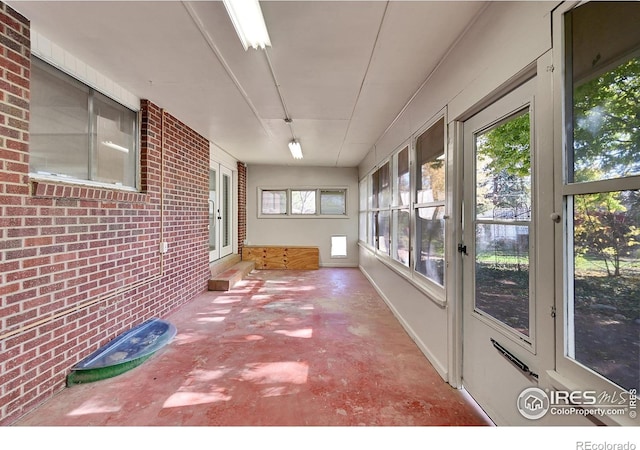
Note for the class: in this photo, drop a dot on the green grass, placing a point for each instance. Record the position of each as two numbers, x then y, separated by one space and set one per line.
593 286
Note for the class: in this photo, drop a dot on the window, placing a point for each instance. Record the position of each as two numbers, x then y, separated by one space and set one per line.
402 209
381 213
303 202
339 246
274 202
332 202
400 212
363 222
79 134
502 222
316 202
430 203
601 190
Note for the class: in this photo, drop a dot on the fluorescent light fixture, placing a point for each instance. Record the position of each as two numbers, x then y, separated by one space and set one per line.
115 146
247 19
296 150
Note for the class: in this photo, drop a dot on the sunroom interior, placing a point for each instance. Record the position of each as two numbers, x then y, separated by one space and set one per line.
477 163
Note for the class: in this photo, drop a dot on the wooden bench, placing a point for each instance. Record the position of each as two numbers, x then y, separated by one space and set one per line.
282 257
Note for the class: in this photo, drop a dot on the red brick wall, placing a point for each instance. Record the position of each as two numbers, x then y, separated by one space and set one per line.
242 205
79 265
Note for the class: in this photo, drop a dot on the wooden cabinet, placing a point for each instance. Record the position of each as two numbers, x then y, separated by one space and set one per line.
282 257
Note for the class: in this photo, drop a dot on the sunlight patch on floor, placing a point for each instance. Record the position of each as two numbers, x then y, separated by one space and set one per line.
230 299
187 338
195 398
253 337
211 319
200 375
200 379
278 372
94 406
305 333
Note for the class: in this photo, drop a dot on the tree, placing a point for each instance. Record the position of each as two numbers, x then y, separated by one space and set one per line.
602 228
504 170
606 121
606 145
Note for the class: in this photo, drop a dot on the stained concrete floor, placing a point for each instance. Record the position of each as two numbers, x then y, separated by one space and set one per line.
283 348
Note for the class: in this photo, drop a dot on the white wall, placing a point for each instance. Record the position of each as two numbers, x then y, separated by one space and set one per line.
315 231
505 39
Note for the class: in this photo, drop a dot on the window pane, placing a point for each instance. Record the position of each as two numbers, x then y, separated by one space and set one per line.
363 195
213 210
79 133
502 274
605 83
606 285
402 189
430 181
226 210
503 171
382 231
303 202
384 190
603 228
400 232
338 246
59 127
332 202
430 243
115 128
372 229
607 125
362 227
375 189
274 202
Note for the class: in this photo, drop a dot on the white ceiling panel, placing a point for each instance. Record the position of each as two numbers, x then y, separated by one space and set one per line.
320 53
344 69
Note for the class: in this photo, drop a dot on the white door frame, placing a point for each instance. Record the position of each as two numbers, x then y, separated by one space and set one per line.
226 210
540 355
221 212
213 226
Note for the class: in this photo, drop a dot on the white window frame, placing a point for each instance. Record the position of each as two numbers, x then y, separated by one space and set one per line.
435 292
261 212
570 374
93 93
434 288
315 202
396 206
290 215
375 211
363 211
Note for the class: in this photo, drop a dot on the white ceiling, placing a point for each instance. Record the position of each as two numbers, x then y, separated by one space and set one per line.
345 69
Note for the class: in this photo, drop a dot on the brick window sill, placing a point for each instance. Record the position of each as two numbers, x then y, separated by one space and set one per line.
59 189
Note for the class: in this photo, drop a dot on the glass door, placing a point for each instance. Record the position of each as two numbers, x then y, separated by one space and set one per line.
507 324
225 212
214 229
220 212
